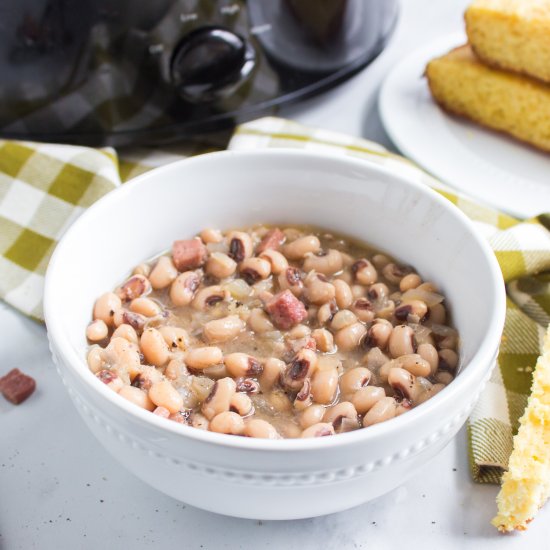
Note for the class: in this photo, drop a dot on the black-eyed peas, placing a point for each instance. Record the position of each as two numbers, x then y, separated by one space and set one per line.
273 333
328 263
97 330
106 306
163 273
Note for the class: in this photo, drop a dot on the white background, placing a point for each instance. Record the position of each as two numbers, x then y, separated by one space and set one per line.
60 489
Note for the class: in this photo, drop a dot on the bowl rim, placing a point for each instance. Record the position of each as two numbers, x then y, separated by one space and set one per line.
483 358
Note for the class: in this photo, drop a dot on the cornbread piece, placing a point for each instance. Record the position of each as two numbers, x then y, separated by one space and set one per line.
511 34
16 386
526 484
511 103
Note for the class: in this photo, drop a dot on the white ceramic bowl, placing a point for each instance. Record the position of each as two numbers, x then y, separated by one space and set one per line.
257 478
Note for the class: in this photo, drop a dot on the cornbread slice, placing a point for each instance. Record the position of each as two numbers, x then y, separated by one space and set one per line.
526 484
511 34
511 103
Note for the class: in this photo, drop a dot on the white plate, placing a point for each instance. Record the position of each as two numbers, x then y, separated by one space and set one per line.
484 164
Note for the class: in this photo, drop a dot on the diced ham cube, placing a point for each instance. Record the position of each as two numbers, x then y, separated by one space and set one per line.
188 254
16 386
285 310
272 240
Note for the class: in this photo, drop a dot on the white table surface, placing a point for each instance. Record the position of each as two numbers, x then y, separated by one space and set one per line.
60 489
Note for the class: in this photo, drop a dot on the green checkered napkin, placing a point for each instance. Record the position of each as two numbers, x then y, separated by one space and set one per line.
43 188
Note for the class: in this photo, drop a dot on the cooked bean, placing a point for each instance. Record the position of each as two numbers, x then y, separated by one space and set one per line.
154 347
184 287
163 394
301 367
219 398
110 379
343 295
350 337
318 289
147 377
401 341
215 371
303 397
242 364
324 340
375 358
342 319
412 280
342 416
163 273
438 314
137 397
365 273
449 342
384 409
276 260
227 423
443 377
271 374
328 263
127 332
326 313
414 310
247 385
259 322
448 359
378 334
223 330
241 404
320 429
253 270
365 398
163 412
97 330
145 307
312 415
123 356
96 359
386 311
208 297
199 421
363 308
280 401
291 279
378 292
175 369
380 261
403 383
428 286
134 287
201 358
296 250
299 331
176 338
353 380
106 306
324 385
358 291
257 427
211 235
429 354
220 265
240 245
395 273
414 363
142 269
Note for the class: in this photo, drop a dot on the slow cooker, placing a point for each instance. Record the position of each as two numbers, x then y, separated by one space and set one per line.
132 71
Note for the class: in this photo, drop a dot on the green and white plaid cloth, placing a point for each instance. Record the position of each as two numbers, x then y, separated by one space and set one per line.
44 187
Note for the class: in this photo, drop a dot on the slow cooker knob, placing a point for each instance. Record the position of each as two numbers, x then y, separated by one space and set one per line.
210 64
